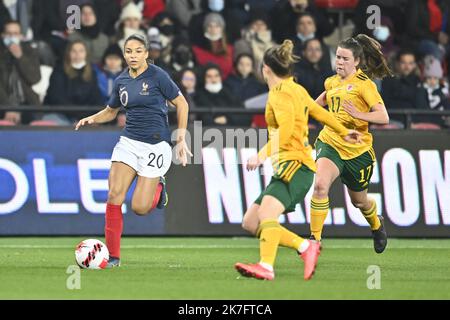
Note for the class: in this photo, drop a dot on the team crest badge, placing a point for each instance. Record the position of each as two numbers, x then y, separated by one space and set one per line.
144 91
349 87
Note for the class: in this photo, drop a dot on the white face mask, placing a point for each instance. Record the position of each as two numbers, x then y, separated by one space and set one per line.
213 87
305 38
382 33
212 37
11 40
78 65
265 36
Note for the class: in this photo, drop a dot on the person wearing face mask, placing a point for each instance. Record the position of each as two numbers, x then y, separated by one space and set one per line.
222 7
19 70
168 29
306 29
90 33
256 39
182 56
213 94
130 23
385 36
214 47
73 83
285 16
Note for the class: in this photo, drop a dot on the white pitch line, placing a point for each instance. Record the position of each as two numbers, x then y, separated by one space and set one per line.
145 246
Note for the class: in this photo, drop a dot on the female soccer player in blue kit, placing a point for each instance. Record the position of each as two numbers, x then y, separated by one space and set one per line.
143 150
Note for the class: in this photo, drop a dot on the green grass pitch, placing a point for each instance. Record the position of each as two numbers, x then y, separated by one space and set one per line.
202 268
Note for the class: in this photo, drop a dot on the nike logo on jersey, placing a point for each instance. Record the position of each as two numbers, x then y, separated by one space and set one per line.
121 89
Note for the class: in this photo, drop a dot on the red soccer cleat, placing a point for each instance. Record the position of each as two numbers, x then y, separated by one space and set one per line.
254 271
310 257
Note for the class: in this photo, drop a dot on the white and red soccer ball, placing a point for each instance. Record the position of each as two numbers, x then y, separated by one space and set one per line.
91 254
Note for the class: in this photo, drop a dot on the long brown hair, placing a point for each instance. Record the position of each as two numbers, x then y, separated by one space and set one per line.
281 59
72 72
368 50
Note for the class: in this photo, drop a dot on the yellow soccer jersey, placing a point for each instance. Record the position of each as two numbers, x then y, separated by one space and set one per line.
363 94
287 111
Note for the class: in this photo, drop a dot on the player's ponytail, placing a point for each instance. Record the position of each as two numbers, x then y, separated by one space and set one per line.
281 59
368 50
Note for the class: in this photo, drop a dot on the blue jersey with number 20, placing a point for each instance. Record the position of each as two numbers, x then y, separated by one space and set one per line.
145 101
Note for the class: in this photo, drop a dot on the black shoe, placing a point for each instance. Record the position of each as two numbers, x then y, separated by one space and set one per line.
379 237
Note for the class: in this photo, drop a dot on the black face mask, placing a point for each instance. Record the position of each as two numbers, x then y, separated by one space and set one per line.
182 56
167 29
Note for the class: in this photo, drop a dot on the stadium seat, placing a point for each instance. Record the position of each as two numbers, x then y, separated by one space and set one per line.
425 126
46 123
6 123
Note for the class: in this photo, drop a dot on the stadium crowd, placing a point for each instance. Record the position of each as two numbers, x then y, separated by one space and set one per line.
213 49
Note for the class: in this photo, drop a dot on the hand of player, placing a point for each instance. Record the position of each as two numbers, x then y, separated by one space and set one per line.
351 109
353 136
182 152
84 121
253 163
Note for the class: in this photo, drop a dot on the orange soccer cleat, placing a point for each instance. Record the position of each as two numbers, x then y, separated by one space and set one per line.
254 271
310 257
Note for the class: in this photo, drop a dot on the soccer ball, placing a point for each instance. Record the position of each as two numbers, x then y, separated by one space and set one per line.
91 254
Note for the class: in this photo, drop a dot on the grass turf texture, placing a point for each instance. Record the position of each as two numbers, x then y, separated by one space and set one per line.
202 268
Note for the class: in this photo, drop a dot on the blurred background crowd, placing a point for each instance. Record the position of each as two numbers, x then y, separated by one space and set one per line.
213 49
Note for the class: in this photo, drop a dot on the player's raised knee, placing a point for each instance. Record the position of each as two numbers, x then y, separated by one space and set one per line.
140 209
115 196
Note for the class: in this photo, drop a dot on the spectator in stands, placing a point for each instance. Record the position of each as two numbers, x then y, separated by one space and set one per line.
384 34
112 66
74 83
285 17
182 56
49 23
437 89
167 31
307 29
130 23
187 82
213 94
20 11
152 8
90 34
232 29
309 71
155 48
428 27
183 10
243 84
256 39
214 47
108 13
403 91
19 70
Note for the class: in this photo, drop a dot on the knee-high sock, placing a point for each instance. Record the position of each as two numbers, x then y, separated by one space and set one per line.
371 216
157 196
290 240
319 211
269 240
113 229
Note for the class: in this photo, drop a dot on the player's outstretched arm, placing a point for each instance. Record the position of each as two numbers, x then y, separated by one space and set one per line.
105 115
378 113
322 99
182 114
325 117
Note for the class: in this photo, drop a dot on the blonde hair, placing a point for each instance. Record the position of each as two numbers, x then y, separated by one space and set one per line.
281 58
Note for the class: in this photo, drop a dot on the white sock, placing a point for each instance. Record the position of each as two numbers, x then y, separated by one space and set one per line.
266 266
303 246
